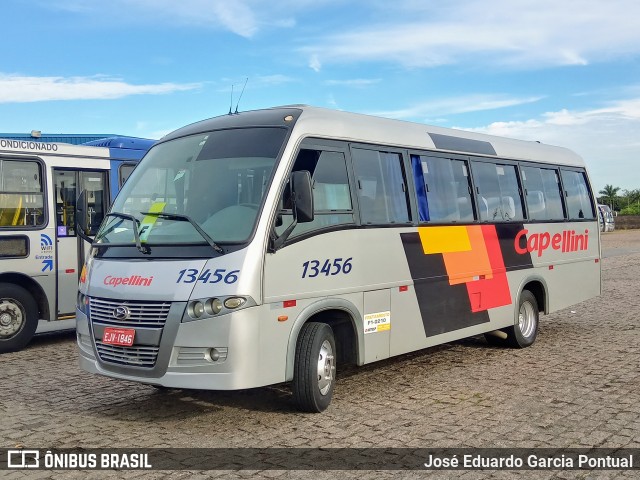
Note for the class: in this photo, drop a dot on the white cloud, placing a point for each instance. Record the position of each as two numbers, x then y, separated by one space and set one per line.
242 17
514 33
607 138
458 104
314 63
22 89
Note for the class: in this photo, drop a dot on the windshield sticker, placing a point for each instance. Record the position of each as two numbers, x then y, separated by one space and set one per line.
149 220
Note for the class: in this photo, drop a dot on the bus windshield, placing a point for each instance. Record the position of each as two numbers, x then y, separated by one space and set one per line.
212 183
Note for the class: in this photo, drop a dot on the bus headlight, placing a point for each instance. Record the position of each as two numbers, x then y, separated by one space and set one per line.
203 308
82 302
196 309
213 306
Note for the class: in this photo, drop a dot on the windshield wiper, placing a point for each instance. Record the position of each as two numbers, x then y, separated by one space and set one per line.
186 218
136 225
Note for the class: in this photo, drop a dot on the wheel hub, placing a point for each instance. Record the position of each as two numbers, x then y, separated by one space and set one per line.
527 319
326 367
11 318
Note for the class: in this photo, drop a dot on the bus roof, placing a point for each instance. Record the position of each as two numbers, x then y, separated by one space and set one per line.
124 148
13 146
130 143
355 127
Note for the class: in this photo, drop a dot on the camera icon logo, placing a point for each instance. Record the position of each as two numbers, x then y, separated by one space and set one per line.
23 458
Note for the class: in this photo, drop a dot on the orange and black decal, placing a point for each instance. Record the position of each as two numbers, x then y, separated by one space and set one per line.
460 272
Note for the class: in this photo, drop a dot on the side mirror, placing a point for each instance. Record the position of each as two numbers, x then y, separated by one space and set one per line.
303 195
302 202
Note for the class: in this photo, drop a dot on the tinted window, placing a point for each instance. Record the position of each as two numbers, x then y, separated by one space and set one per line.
381 188
218 179
579 203
498 192
125 172
331 193
542 187
21 198
14 246
443 189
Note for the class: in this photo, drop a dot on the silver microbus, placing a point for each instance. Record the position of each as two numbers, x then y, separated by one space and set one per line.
271 246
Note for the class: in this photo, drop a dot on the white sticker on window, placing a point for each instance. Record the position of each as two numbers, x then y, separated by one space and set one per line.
425 167
377 322
500 170
464 170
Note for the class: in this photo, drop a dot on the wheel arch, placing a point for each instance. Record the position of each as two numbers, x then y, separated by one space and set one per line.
346 322
538 287
31 286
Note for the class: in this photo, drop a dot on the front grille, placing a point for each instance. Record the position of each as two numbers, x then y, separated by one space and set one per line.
138 356
149 317
148 314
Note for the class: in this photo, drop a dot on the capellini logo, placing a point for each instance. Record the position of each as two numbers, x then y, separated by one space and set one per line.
567 241
131 281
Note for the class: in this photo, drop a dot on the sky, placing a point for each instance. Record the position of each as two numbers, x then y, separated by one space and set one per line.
561 72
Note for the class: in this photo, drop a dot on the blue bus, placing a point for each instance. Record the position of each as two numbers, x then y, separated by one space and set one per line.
125 153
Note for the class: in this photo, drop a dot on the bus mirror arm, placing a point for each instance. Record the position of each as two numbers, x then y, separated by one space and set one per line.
301 204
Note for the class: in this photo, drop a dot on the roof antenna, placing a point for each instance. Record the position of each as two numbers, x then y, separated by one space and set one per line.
231 103
245 84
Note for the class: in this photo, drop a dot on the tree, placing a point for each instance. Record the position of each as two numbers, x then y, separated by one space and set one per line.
609 192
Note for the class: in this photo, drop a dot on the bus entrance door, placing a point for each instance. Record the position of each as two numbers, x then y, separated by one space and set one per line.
69 184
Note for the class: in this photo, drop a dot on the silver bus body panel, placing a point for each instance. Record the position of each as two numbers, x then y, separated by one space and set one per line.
382 292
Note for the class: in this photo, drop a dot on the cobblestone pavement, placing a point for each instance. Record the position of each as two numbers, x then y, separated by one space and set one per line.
578 386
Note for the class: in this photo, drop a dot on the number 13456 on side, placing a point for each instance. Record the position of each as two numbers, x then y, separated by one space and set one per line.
313 268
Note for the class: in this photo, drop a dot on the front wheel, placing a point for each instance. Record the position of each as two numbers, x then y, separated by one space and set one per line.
18 317
314 374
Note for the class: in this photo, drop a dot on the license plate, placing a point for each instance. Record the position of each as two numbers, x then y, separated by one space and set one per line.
118 336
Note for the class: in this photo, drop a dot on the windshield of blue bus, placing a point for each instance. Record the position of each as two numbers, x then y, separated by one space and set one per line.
217 179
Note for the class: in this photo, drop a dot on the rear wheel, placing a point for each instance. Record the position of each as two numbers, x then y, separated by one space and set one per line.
18 317
314 373
525 328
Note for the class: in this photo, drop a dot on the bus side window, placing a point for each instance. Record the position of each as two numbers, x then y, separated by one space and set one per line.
499 193
331 193
381 187
579 204
443 189
542 193
21 197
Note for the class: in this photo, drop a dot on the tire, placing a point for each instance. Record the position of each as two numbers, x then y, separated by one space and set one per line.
18 317
314 374
525 329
